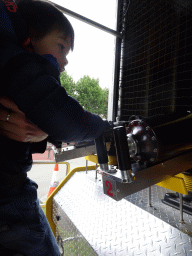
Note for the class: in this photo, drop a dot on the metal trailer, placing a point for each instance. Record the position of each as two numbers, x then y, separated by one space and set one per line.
139 200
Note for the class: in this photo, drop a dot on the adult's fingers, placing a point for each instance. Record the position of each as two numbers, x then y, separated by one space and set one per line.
3 114
18 127
15 118
12 131
22 134
6 102
19 119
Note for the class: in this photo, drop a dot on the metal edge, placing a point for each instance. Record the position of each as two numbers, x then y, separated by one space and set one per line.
88 21
49 201
152 175
114 90
75 153
149 176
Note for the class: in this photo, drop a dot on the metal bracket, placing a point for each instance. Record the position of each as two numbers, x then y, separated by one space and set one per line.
144 178
74 152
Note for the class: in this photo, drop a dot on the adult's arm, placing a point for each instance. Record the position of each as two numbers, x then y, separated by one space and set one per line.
18 127
37 92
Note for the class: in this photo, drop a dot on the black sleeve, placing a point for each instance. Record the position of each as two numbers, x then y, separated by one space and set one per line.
39 147
40 96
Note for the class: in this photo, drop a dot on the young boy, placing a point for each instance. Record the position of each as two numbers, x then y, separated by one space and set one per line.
32 82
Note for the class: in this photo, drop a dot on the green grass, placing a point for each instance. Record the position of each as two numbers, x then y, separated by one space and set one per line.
75 247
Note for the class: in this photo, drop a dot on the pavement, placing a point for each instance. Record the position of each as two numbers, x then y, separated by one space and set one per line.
42 173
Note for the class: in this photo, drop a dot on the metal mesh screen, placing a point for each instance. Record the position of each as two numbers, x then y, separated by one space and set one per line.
157 58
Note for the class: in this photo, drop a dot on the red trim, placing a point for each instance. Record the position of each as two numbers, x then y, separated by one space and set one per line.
27 45
11 5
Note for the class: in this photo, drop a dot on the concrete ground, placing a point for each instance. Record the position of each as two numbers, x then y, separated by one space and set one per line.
42 174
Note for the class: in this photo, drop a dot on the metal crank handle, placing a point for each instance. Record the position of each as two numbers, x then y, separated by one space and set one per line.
122 151
102 153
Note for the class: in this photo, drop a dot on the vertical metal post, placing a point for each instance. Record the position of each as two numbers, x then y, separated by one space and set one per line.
150 197
181 208
114 90
86 165
96 172
120 95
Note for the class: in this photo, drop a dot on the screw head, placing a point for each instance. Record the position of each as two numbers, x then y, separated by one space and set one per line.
58 217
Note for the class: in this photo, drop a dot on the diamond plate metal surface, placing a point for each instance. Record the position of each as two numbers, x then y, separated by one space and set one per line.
94 224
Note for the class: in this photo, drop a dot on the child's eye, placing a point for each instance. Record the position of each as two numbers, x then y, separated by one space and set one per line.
61 47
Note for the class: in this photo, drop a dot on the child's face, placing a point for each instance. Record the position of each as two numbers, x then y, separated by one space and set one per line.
54 43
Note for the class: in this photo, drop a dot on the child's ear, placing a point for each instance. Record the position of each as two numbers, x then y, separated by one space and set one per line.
27 45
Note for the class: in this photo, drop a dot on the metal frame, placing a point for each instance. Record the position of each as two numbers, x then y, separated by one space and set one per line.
49 202
146 177
113 91
88 21
74 153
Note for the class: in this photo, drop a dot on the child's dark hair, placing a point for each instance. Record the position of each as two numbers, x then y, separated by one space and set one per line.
42 17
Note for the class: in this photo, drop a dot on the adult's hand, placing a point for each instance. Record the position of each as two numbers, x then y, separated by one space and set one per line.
16 126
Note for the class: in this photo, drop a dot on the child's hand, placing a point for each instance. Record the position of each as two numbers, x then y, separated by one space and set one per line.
16 126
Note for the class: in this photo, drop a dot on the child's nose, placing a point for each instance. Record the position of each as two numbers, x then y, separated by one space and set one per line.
65 62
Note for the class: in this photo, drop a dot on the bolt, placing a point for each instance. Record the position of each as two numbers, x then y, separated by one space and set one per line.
147 128
58 217
153 138
152 159
118 190
155 150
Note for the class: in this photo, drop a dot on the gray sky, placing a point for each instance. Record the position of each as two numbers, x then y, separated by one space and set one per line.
93 53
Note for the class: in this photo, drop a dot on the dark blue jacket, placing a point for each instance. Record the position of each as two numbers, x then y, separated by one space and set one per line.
32 82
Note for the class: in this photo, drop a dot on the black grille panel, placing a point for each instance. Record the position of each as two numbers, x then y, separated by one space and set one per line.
157 59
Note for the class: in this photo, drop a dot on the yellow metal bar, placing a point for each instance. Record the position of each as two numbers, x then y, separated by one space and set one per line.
49 202
188 182
112 160
174 183
41 162
92 158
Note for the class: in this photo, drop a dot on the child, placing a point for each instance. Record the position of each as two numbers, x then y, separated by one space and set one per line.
32 82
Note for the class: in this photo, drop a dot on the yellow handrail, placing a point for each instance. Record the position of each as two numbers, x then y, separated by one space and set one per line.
49 202
46 162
